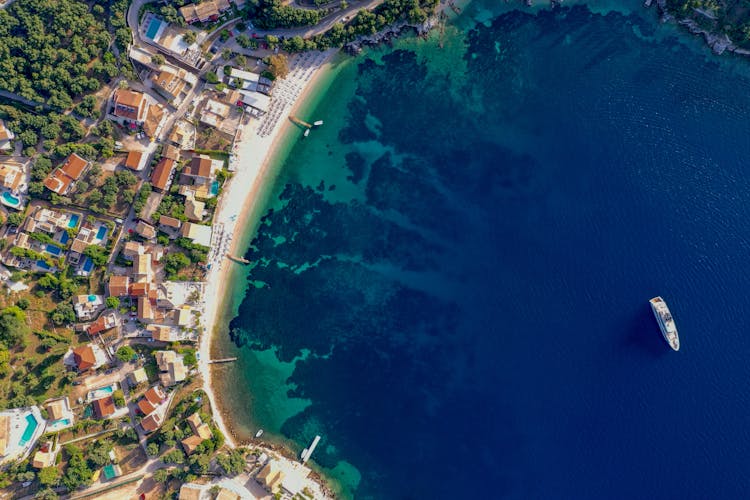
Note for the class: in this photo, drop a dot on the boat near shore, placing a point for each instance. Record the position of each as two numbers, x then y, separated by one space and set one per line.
666 322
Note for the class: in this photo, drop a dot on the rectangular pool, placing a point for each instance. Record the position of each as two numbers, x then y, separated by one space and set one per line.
43 265
88 265
73 222
153 28
52 249
101 233
64 237
28 433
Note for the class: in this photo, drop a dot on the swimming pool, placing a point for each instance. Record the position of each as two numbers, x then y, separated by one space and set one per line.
43 265
102 392
153 28
92 298
73 222
10 200
88 265
31 426
64 237
53 250
110 472
101 233
63 422
214 188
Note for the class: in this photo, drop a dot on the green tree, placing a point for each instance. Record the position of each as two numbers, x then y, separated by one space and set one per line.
97 254
125 353
49 476
153 449
119 398
112 302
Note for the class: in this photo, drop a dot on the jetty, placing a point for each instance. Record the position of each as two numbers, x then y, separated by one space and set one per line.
239 260
299 122
221 360
309 451
454 7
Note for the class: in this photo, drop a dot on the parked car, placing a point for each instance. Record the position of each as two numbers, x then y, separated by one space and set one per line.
77 382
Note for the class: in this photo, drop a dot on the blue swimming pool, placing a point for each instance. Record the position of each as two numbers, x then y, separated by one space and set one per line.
43 265
63 422
28 433
214 188
10 200
153 28
73 222
64 237
88 265
101 233
54 250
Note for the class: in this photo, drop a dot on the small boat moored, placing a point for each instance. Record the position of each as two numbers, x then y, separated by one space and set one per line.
259 433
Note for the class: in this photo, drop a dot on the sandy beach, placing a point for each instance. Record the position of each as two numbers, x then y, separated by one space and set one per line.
254 154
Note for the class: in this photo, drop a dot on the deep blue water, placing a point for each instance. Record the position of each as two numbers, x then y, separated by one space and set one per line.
458 267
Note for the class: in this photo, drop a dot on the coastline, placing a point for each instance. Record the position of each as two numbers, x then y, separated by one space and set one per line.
241 203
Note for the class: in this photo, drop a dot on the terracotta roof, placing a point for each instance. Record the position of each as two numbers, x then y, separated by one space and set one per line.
145 406
139 289
145 311
78 246
74 166
134 159
104 407
5 134
57 182
191 443
154 395
128 104
170 151
153 118
118 286
145 230
97 326
56 409
169 82
84 357
162 172
168 221
151 422
200 166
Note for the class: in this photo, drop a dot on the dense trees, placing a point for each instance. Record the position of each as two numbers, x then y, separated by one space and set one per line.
125 353
273 14
46 48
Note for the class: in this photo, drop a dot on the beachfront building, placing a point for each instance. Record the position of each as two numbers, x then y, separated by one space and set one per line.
62 178
59 414
20 429
214 113
197 233
210 10
88 306
271 476
6 137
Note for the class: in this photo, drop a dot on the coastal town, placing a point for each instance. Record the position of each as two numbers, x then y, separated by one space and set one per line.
121 194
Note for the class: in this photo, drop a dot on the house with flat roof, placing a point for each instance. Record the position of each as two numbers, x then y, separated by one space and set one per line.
271 476
197 233
20 428
129 106
6 137
87 306
162 174
62 178
138 376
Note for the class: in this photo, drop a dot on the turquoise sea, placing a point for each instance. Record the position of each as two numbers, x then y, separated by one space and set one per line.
453 273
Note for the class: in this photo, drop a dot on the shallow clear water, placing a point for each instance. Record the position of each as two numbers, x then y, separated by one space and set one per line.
454 278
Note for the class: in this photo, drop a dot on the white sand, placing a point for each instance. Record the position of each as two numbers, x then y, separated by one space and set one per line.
239 198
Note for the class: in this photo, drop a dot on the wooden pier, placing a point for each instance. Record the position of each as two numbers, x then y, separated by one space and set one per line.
239 260
222 360
297 121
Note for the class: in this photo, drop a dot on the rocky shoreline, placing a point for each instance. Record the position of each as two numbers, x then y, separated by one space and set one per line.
719 42
391 32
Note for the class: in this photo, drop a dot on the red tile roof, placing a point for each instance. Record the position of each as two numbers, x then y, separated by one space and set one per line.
134 159
146 407
154 396
104 407
162 172
84 357
118 286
